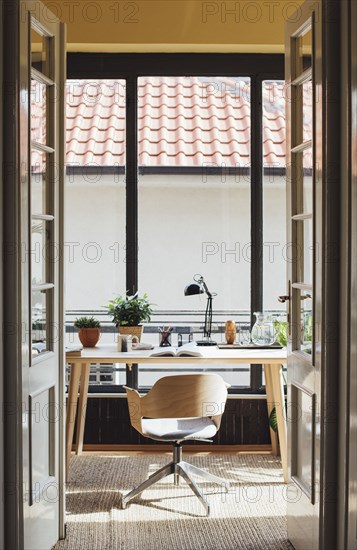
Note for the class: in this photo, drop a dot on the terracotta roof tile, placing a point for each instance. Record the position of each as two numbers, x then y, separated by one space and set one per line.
181 122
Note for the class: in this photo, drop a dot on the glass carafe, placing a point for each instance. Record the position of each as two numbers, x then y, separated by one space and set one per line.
263 332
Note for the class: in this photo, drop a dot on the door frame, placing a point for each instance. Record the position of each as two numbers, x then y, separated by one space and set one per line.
347 521
330 257
11 280
2 543
352 312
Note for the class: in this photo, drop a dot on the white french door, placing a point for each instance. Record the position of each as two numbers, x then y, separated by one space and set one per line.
304 369
313 161
42 76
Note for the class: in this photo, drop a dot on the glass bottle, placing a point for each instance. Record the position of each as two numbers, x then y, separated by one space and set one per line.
263 332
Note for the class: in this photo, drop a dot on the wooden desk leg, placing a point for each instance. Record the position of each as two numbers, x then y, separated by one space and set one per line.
270 405
279 400
82 407
72 399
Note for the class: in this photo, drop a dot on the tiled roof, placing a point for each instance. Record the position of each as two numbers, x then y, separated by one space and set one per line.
181 121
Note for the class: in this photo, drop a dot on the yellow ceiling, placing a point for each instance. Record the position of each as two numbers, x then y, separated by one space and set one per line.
175 25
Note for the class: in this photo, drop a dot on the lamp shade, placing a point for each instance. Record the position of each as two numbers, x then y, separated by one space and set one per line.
193 288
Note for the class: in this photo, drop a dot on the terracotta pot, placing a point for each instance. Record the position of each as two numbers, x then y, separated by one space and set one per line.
134 331
230 332
89 337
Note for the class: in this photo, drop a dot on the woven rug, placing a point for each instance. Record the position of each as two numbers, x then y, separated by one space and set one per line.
252 515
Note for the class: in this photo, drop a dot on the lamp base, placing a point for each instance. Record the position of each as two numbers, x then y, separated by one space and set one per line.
206 343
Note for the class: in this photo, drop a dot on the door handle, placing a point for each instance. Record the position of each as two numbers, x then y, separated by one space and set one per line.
287 298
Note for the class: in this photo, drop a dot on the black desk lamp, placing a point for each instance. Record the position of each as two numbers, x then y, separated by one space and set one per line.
199 287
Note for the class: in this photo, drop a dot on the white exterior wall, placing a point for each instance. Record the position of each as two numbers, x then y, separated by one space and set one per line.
186 226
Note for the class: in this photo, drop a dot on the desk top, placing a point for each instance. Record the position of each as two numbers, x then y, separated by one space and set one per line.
109 354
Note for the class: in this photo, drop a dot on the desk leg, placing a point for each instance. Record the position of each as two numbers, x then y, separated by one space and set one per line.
75 374
279 401
270 404
82 407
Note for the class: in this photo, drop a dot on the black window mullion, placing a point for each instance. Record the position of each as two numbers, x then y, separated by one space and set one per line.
131 178
256 214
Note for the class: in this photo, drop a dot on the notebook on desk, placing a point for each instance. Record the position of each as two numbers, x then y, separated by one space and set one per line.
248 346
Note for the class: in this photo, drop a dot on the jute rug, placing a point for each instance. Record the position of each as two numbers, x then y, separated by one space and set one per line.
250 516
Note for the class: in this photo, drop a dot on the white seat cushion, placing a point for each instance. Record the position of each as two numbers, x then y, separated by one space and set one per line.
178 429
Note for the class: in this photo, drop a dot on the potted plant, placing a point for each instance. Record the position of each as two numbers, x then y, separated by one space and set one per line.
89 331
129 312
281 328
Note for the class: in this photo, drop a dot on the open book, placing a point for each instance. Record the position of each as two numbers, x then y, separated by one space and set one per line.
74 351
183 351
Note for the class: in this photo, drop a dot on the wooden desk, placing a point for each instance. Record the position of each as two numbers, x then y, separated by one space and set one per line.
79 378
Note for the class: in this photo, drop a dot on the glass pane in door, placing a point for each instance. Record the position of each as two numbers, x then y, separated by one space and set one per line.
307 108
39 51
39 246
38 182
306 322
38 112
307 187
39 322
307 251
305 49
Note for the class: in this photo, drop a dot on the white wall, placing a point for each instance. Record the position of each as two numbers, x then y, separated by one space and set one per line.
187 225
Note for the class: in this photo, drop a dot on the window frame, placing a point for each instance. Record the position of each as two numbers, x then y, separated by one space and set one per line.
131 66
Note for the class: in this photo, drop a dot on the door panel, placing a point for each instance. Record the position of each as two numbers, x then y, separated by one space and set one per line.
313 131
41 150
303 366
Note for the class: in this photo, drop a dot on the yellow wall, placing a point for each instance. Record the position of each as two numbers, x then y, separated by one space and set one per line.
175 25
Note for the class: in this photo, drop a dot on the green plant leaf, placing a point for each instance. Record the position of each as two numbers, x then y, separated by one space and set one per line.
86 322
281 328
130 310
273 421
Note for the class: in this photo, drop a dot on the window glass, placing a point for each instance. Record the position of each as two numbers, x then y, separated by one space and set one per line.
194 200
95 246
274 197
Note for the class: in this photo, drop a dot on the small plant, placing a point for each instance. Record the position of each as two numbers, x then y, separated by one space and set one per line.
281 329
130 311
86 322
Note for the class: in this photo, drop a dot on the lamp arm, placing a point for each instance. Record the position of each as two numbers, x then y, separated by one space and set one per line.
208 318
209 294
207 329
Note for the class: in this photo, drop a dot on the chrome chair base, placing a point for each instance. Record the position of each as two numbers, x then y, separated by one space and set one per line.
179 468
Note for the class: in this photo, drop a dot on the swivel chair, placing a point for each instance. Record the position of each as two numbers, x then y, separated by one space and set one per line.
177 409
